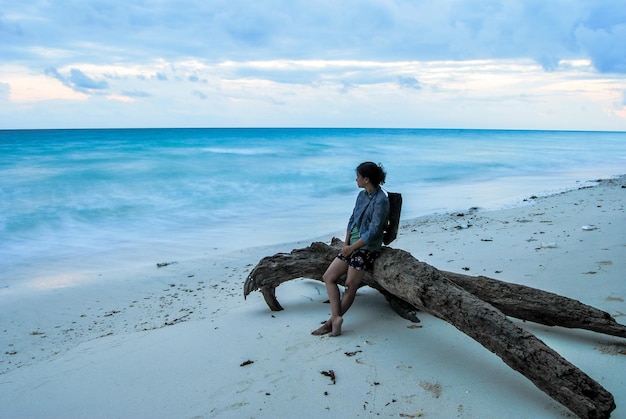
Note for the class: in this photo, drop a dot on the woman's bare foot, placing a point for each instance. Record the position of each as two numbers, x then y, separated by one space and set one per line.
336 323
326 328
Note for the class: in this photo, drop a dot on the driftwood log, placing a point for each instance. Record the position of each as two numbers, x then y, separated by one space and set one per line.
477 306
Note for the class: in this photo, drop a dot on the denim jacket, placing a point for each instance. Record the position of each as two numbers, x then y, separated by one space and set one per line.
370 216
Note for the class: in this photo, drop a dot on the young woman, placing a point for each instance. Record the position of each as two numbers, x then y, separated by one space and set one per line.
364 238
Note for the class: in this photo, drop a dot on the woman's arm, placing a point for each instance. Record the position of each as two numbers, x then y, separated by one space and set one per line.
347 250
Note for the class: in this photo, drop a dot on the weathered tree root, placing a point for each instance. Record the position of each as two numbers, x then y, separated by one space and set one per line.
475 305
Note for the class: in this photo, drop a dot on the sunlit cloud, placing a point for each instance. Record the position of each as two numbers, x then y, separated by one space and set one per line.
25 87
120 98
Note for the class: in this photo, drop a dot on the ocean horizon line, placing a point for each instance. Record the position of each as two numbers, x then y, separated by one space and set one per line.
312 128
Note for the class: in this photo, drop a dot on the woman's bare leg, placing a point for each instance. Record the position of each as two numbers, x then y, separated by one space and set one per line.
335 270
353 280
339 305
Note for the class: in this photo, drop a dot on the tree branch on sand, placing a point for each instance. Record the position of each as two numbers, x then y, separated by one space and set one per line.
477 306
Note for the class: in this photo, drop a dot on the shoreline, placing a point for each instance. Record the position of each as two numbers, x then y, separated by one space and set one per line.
181 332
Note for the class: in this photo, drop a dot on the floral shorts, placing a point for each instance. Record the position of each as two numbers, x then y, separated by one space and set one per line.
360 259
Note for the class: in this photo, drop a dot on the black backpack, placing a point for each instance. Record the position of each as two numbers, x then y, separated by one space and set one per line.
395 207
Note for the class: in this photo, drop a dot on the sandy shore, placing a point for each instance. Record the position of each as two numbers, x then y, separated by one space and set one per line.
180 341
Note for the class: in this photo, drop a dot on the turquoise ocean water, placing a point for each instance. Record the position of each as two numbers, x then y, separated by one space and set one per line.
88 200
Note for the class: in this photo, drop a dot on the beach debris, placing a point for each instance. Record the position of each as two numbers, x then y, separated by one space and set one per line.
330 374
164 264
244 363
551 245
11 352
412 415
475 305
178 320
352 353
432 388
463 226
589 227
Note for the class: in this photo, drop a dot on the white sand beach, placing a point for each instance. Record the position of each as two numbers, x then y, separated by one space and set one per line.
180 341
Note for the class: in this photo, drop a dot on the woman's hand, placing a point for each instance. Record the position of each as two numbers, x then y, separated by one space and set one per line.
347 251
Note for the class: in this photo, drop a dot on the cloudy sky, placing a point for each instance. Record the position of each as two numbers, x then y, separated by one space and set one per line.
514 64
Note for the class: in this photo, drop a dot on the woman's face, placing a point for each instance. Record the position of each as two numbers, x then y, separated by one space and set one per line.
361 181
